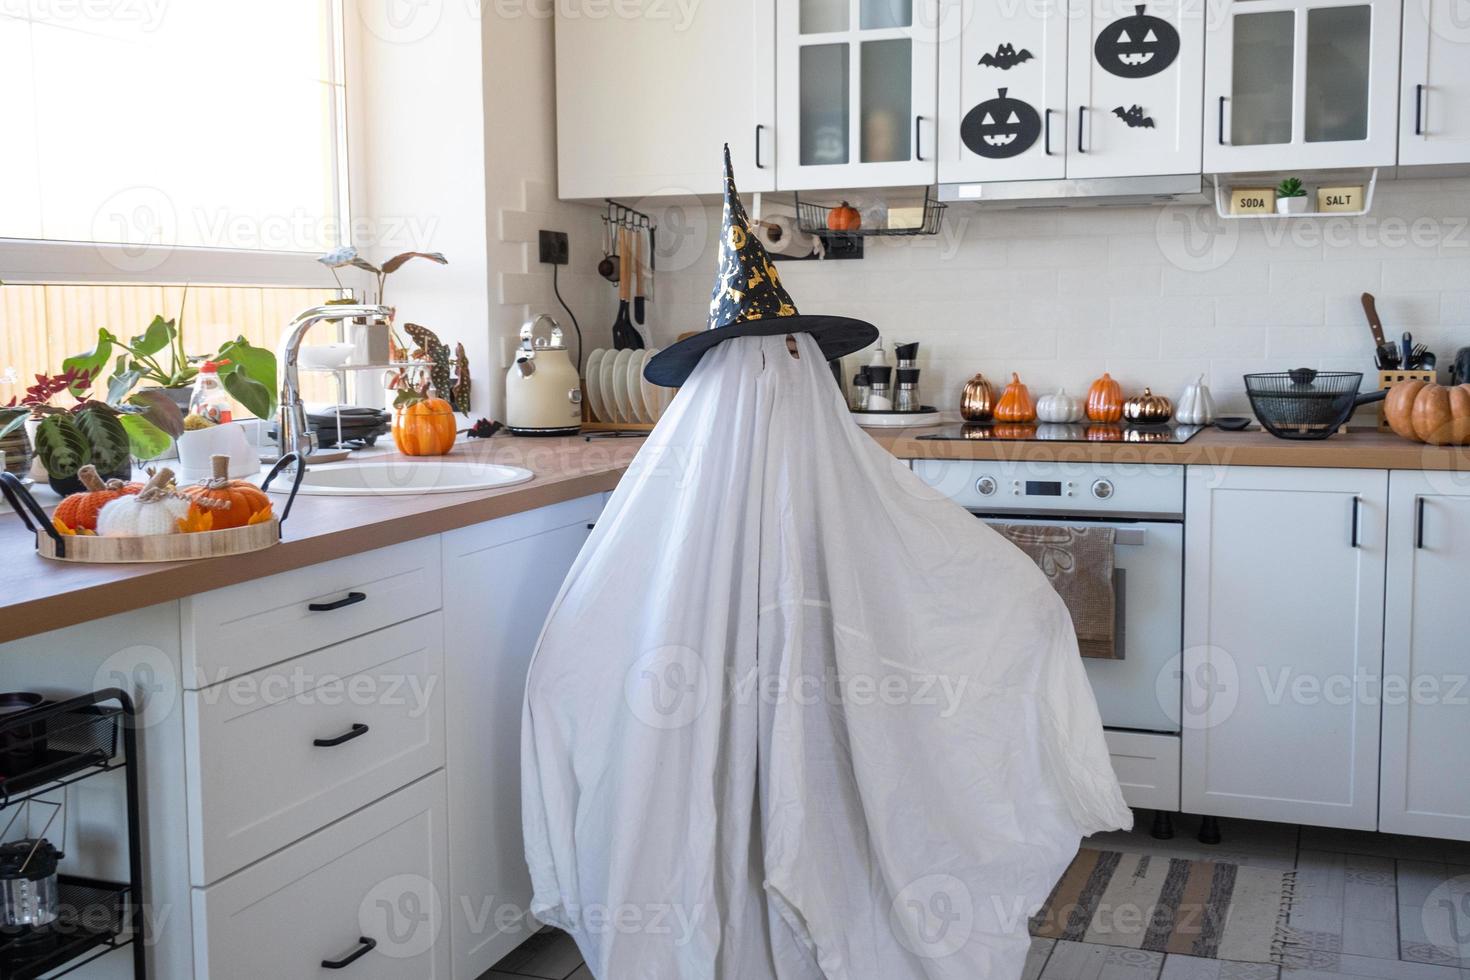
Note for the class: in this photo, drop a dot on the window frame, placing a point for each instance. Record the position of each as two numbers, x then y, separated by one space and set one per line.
26 261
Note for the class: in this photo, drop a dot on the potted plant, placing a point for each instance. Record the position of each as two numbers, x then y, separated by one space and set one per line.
1291 197
106 435
347 256
156 359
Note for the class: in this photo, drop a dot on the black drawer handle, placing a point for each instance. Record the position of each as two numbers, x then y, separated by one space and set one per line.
350 599
759 129
365 946
1046 139
1357 507
1081 127
355 731
1419 110
919 139
1419 522
1222 121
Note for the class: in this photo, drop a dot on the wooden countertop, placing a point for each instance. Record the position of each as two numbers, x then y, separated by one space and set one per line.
1356 449
37 595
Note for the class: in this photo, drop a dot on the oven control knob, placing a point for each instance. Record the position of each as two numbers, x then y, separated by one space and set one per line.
1102 489
986 486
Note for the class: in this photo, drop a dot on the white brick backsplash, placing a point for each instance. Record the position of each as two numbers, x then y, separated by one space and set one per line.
1154 295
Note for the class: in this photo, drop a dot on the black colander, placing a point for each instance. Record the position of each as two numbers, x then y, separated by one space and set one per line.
1306 404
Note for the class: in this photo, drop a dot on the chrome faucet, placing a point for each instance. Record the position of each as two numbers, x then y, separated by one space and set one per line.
293 434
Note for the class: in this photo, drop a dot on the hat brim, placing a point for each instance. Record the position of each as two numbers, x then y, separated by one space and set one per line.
836 335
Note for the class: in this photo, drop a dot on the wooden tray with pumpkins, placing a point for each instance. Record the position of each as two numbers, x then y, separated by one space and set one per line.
112 522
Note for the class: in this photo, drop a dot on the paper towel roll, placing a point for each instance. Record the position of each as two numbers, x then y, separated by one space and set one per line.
780 235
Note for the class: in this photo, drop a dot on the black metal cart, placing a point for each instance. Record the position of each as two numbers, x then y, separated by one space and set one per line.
43 749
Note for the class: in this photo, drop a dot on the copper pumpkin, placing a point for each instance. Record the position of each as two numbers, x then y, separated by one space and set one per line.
1148 409
977 401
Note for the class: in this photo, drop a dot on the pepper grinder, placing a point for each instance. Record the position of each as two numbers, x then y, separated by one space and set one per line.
906 395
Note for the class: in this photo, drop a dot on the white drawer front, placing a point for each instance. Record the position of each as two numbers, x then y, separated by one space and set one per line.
1147 767
258 777
377 875
243 627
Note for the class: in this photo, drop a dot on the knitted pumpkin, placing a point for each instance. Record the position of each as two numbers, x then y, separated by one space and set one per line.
155 509
234 502
79 511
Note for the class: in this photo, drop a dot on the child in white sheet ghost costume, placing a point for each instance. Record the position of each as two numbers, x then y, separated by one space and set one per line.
795 716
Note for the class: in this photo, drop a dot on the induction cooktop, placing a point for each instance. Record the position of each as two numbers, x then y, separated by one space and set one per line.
1056 432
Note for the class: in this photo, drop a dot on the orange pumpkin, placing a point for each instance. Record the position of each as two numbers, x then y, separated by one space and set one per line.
1105 432
844 217
1015 404
1105 400
1015 430
424 427
79 511
1431 413
232 503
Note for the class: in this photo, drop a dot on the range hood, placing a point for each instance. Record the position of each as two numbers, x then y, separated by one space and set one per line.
1096 192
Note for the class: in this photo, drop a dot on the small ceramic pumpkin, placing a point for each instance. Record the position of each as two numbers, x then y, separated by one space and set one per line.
1015 404
844 217
424 427
1059 432
977 401
1431 413
155 509
1196 405
1105 400
1059 407
1015 430
1148 409
1105 432
234 502
79 511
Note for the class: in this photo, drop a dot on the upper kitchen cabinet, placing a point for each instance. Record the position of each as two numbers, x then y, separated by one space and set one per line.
856 104
1283 643
1133 79
1301 84
1434 115
1002 91
1426 782
1109 88
644 103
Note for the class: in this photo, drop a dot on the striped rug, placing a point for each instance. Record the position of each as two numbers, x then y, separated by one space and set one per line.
1169 905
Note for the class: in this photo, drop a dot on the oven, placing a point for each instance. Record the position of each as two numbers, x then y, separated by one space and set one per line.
1139 694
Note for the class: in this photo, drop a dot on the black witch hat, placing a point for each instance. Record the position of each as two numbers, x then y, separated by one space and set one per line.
749 300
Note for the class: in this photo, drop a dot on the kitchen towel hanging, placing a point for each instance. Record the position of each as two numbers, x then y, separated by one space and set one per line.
1078 561
780 235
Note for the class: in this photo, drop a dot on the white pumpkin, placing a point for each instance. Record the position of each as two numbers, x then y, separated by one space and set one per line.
1196 406
153 510
1059 407
1060 432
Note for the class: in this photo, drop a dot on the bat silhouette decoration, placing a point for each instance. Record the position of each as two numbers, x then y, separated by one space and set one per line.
1134 117
1006 57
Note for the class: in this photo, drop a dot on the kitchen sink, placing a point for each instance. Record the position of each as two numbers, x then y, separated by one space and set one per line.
375 478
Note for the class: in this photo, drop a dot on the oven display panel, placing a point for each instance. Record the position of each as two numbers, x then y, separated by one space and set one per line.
1043 488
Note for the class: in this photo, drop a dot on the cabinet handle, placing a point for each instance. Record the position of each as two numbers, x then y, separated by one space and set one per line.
1357 508
919 138
1081 125
759 129
350 599
1222 120
1046 128
356 731
1419 110
1419 522
364 947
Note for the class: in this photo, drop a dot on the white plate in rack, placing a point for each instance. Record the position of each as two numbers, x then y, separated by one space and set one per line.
593 376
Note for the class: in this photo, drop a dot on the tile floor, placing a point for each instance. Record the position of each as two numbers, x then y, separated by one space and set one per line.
1371 907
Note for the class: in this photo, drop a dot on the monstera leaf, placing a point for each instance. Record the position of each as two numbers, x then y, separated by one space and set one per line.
106 438
61 446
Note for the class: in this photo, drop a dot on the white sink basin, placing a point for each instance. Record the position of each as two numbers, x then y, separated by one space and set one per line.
372 479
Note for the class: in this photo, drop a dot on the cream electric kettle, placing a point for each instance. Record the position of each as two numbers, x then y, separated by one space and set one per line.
543 394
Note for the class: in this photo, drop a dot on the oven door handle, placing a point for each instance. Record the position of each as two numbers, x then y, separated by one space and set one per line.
1134 536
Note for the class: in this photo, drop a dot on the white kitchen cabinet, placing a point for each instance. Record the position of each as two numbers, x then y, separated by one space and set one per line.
1434 113
1108 88
857 97
1293 85
1133 80
368 894
500 579
644 103
1002 91
1283 643
1426 721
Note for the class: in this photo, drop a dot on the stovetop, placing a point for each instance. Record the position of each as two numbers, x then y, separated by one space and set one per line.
1170 434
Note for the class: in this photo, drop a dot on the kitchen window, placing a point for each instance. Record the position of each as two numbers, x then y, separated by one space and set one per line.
148 143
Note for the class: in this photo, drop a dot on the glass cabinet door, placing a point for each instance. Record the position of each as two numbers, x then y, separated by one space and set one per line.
859 71
1261 89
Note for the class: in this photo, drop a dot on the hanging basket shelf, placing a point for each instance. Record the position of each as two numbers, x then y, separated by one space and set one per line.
812 220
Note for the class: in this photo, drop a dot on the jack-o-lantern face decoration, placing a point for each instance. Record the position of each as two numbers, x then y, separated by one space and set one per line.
1000 127
1137 46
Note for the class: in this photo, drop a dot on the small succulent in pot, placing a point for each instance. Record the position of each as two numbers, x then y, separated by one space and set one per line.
1291 196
